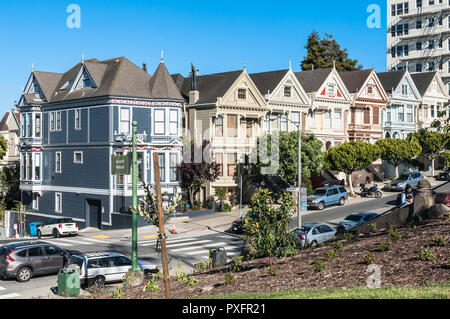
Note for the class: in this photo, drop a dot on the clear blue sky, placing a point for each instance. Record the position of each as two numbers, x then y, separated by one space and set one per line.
215 35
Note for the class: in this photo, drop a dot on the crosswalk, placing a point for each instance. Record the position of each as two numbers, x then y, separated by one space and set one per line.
8 295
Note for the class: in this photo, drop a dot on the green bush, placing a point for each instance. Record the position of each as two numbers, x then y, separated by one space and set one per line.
203 265
271 271
337 245
386 245
348 236
227 208
117 293
229 279
373 227
370 259
438 240
191 281
331 254
394 235
319 265
152 284
236 263
426 254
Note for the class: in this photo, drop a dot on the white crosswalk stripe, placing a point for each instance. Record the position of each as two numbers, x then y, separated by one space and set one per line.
196 247
169 241
2 288
9 296
94 240
204 251
170 245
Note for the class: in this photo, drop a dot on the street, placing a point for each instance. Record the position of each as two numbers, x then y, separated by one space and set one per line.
189 248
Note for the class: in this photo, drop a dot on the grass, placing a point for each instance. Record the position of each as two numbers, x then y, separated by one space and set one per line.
441 291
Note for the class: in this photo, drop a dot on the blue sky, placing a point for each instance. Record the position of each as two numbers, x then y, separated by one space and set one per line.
215 35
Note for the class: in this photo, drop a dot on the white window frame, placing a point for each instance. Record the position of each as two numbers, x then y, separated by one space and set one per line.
337 122
155 131
287 89
313 120
37 163
35 201
125 120
29 172
74 157
327 119
170 167
56 162
35 115
58 121
58 202
171 121
77 119
51 121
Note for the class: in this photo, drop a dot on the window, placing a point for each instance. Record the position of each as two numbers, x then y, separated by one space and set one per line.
376 115
58 202
431 2
430 66
388 115
404 89
440 43
97 263
331 89
400 50
37 166
393 10
337 122
431 22
140 165
77 119
393 52
419 3
35 202
295 118
287 91
78 157
393 31
406 49
86 81
231 125
283 123
29 166
52 250
249 128
406 29
219 126
58 120
399 8
366 116
406 7
327 119
409 114
119 178
125 119
35 251
23 166
160 122
312 120
37 125
219 161
162 166
173 122
419 24
401 114
242 94
432 111
173 167
52 121
30 125
58 162
231 164
399 29
122 261
370 89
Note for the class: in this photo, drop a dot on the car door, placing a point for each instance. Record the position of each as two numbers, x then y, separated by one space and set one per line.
123 264
112 271
54 258
36 258
96 267
326 233
329 197
315 235
335 195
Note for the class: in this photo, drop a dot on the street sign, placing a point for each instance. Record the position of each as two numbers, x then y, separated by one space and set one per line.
120 164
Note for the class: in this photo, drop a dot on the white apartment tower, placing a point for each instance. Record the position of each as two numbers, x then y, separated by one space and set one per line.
418 36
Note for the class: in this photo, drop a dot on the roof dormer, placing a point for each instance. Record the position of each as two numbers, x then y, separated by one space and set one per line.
83 80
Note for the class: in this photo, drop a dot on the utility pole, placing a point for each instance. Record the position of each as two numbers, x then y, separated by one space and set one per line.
162 233
134 246
299 204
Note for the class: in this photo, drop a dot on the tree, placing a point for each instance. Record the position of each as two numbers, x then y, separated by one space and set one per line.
322 53
196 172
433 144
397 151
9 184
267 229
3 146
312 156
351 157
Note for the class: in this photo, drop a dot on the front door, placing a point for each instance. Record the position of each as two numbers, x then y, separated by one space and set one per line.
94 213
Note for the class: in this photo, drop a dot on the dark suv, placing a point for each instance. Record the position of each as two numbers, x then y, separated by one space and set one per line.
23 260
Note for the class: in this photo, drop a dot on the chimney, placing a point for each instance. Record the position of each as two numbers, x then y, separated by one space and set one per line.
144 67
194 94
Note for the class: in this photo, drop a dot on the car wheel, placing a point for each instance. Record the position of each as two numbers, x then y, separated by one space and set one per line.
39 234
321 206
98 281
24 274
341 201
55 233
378 194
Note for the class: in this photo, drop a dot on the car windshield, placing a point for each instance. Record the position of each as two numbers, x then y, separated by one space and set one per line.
403 177
320 192
353 218
305 229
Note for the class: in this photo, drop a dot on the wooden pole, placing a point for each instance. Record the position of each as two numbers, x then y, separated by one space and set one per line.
162 232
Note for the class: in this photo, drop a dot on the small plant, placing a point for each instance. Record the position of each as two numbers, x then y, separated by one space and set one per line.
386 245
117 293
152 284
394 235
426 254
331 254
191 281
180 275
229 279
337 245
227 208
438 240
236 263
203 265
271 271
319 265
373 226
370 259
97 291
348 236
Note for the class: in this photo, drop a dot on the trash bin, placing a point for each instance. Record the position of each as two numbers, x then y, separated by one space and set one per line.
69 281
33 228
218 256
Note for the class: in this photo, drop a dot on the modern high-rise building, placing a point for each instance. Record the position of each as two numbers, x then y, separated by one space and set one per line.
418 36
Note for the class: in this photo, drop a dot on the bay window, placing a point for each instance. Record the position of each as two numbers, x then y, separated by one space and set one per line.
125 120
232 125
173 167
159 122
173 122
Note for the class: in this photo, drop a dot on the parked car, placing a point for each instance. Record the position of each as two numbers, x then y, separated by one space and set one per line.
237 225
444 175
57 227
25 259
98 268
326 196
406 178
356 219
314 234
442 198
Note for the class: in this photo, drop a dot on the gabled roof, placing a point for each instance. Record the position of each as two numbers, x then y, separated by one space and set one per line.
390 80
268 81
423 80
354 80
162 84
210 86
47 82
3 122
311 81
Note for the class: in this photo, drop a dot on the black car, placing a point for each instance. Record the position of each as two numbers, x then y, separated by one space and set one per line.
444 175
238 225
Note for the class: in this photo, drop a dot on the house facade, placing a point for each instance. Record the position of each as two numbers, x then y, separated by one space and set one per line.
399 117
10 130
72 124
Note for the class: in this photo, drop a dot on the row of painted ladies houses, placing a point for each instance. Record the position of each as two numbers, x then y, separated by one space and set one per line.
73 122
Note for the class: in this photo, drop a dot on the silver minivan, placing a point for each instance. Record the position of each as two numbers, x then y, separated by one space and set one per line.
23 260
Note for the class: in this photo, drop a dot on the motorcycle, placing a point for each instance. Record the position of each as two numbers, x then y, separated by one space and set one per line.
370 192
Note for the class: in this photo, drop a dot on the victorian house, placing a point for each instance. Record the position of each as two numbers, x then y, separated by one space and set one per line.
10 130
434 98
399 117
368 101
73 122
330 100
226 109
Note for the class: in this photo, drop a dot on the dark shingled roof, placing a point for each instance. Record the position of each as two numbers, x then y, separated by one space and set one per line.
423 80
162 84
268 81
311 81
390 80
47 82
354 80
3 125
210 86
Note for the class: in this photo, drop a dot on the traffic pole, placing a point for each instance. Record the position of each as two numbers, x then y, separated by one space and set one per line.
134 247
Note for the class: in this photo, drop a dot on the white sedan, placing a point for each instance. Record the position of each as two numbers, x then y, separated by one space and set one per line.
57 227
314 234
